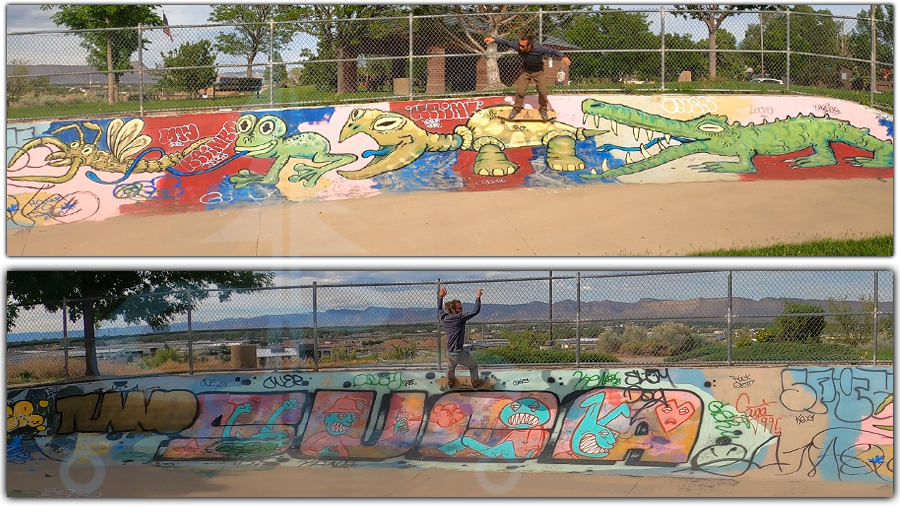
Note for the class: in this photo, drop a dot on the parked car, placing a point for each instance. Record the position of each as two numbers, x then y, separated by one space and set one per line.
767 81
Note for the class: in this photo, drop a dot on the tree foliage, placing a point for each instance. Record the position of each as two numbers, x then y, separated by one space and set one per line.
19 86
799 323
713 16
250 35
154 297
109 50
189 80
335 31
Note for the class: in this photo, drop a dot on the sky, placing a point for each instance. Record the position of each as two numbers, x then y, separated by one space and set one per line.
29 17
23 17
596 285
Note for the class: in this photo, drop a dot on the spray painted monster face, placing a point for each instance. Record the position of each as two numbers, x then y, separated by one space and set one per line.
525 413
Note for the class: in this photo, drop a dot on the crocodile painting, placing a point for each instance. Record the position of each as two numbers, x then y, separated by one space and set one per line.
713 134
487 131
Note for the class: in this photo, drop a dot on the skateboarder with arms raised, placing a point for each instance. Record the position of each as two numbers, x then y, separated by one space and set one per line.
532 55
454 322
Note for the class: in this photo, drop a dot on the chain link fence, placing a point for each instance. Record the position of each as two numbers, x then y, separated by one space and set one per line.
656 319
64 74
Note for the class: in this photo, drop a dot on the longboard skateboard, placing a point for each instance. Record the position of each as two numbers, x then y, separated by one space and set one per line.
466 384
530 115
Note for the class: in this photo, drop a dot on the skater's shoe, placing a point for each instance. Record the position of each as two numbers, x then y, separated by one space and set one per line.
513 113
544 115
477 383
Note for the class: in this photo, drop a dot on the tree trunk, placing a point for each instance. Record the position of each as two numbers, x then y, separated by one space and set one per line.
341 78
712 53
250 59
110 77
492 64
90 343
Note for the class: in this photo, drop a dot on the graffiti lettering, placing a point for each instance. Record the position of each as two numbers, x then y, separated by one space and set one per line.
409 382
218 383
849 393
178 136
285 381
213 152
159 411
827 108
726 420
248 448
490 181
448 110
391 380
742 381
803 419
759 413
765 111
520 381
163 187
691 105
585 381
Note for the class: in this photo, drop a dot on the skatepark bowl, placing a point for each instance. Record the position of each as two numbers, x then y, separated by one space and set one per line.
773 426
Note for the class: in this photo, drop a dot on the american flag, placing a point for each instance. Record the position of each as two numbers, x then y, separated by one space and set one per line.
167 31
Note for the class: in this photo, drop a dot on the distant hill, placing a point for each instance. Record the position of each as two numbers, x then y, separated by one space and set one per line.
67 75
763 310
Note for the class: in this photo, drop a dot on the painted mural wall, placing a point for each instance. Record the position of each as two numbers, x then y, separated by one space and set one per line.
824 423
70 171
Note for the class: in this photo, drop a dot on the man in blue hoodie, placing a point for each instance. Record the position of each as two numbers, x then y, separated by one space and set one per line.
532 70
454 322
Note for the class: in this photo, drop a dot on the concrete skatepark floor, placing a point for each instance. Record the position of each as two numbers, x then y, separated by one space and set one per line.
43 479
596 220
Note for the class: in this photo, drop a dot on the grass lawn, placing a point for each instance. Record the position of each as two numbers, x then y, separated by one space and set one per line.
874 246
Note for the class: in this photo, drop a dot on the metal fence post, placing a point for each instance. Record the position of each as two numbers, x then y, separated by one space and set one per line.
65 339
315 328
190 323
541 24
271 65
729 316
787 77
662 38
577 319
411 77
550 336
141 71
875 323
439 328
872 64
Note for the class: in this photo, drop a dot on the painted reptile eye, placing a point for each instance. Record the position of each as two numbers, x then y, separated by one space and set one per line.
87 150
356 114
245 123
710 127
388 123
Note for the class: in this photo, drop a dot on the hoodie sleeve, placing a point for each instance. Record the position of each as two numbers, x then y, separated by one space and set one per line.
474 312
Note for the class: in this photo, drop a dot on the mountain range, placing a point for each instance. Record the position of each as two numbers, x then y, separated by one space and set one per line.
712 309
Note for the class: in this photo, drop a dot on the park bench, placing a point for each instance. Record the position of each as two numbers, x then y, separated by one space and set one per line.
237 85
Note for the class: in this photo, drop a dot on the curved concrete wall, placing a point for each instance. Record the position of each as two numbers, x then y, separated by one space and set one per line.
70 171
829 423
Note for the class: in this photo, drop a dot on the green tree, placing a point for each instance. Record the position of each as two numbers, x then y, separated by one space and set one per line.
18 84
527 339
108 49
860 41
279 71
800 323
250 35
197 56
613 29
729 64
713 16
848 325
332 26
97 296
